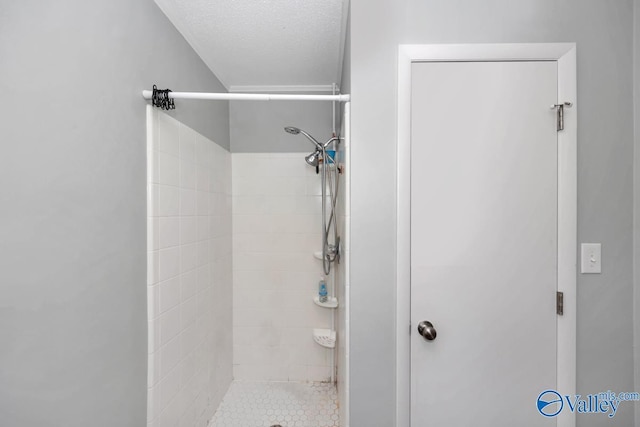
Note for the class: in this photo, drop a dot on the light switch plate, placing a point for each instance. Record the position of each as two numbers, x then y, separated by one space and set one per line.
591 258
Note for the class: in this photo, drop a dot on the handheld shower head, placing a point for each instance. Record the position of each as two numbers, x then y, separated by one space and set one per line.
295 131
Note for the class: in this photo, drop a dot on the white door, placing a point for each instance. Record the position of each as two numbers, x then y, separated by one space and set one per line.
484 189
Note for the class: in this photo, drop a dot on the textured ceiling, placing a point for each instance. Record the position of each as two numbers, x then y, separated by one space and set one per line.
264 42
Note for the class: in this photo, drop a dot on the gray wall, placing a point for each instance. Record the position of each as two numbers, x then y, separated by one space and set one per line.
258 126
345 76
603 32
345 83
73 253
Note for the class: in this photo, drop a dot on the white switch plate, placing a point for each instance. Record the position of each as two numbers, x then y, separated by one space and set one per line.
591 258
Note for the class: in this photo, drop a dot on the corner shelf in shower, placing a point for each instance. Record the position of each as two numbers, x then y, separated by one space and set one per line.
325 337
332 302
318 255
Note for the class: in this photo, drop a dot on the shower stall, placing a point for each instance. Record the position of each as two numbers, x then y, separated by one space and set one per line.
238 242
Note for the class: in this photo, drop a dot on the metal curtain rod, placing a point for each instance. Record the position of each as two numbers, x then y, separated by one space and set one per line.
147 94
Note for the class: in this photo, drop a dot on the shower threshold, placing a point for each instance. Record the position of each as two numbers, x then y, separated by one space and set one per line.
285 404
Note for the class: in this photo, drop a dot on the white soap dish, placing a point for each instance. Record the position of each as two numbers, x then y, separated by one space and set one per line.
318 255
325 337
332 302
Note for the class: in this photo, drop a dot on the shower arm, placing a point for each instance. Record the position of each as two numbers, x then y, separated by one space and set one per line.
335 138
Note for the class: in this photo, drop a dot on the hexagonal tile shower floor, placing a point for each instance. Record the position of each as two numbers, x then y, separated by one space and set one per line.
286 404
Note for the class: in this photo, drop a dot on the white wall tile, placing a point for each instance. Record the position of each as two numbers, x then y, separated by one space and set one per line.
188 229
202 203
169 388
187 369
203 275
188 257
294 299
168 263
187 174
169 357
200 403
187 143
203 227
153 233
265 336
153 338
169 231
187 202
169 326
188 312
152 267
188 417
153 404
170 415
319 373
152 199
202 174
276 228
219 225
168 130
202 253
153 168
169 294
168 197
295 280
287 166
188 374
168 169
188 285
189 341
203 151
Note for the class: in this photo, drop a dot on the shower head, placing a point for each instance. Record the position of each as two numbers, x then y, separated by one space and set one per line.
312 159
295 131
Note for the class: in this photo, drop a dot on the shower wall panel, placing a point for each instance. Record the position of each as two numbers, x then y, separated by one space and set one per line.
342 269
189 273
276 230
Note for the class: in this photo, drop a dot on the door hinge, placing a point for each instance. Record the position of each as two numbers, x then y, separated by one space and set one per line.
559 303
560 114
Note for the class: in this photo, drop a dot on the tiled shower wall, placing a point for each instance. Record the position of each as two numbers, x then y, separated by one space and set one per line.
276 229
189 273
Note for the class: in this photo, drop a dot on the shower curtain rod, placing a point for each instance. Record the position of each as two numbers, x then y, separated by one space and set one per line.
147 94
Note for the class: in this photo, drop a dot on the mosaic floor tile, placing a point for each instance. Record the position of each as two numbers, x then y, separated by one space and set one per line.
287 404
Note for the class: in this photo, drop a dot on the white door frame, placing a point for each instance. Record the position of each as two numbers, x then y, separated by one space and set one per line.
565 55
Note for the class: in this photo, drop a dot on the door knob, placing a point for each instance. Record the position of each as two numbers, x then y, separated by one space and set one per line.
426 329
